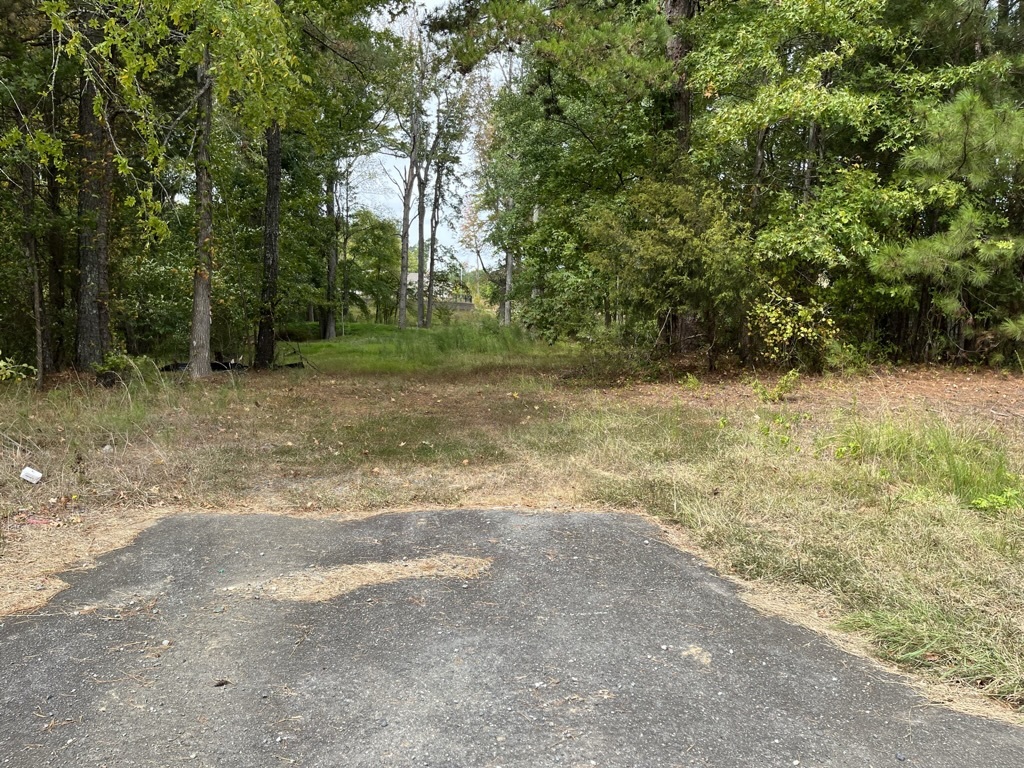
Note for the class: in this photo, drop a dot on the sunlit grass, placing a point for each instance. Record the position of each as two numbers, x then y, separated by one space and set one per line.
472 345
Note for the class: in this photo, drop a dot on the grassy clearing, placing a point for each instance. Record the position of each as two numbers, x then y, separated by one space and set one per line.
908 525
472 346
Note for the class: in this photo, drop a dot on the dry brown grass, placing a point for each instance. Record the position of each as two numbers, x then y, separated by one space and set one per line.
758 490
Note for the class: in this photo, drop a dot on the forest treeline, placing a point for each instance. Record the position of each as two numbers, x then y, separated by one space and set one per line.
786 182
186 178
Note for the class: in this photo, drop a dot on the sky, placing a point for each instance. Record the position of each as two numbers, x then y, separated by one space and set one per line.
379 192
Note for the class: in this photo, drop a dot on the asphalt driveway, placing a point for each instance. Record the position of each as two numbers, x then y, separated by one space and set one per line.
579 640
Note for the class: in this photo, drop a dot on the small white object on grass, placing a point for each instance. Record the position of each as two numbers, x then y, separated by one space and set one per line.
32 475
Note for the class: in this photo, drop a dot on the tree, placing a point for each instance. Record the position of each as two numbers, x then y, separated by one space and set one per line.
376 255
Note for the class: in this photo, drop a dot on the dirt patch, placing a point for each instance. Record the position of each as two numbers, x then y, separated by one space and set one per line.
34 553
994 395
321 585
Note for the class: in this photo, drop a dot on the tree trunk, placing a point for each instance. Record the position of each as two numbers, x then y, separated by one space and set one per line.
677 13
711 331
28 242
344 223
922 326
403 277
435 221
271 251
506 305
94 203
328 329
421 266
759 161
199 353
815 149
811 164
673 331
415 138
55 246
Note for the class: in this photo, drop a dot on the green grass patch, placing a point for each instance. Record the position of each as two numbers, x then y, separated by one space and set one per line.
913 527
460 348
406 440
969 463
953 643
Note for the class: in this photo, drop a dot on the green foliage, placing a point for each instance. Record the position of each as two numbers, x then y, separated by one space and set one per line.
114 362
376 253
671 246
791 332
851 181
12 371
808 185
846 358
690 383
777 392
1011 498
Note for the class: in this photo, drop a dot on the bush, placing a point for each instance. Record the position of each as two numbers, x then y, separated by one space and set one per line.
12 371
783 387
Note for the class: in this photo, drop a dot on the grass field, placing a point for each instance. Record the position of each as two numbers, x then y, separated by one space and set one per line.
897 518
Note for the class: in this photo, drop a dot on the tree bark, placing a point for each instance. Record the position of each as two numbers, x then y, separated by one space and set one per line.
506 305
271 251
329 329
94 203
421 266
815 150
435 221
344 224
415 150
811 164
403 277
199 353
759 162
677 13
28 242
55 246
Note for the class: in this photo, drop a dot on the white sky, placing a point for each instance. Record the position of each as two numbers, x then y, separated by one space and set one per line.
379 193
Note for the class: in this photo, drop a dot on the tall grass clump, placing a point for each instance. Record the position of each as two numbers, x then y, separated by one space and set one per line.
969 463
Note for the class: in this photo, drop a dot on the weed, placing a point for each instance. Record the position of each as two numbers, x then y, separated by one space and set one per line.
13 372
690 383
1011 498
782 388
846 358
